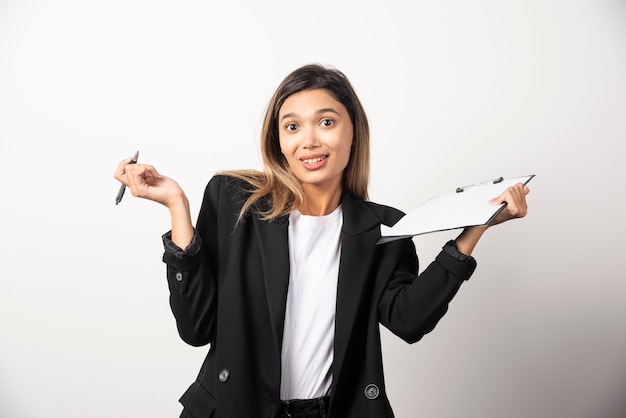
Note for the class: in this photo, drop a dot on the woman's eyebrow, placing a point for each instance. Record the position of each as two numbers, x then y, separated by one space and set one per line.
319 112
288 115
326 110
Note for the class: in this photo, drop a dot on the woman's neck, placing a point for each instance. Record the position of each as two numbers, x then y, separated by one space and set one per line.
319 202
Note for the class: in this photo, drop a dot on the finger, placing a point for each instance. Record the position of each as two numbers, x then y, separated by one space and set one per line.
137 173
516 201
140 178
519 192
503 197
119 171
143 170
498 200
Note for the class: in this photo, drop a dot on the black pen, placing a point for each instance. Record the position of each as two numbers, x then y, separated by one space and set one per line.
120 194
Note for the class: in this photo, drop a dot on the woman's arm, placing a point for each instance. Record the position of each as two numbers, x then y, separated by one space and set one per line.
193 289
144 181
411 305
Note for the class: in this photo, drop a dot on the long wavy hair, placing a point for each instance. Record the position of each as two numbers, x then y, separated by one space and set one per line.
277 183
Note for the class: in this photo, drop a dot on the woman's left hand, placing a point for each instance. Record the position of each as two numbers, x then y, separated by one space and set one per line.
515 199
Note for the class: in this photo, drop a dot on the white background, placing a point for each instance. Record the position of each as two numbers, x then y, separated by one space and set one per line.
457 92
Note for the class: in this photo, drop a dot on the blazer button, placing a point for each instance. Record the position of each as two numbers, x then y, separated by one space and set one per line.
372 391
224 375
179 276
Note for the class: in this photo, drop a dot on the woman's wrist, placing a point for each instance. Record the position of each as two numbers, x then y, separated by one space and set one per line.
182 229
467 240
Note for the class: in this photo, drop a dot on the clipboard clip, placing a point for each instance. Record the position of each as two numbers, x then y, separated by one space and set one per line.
494 181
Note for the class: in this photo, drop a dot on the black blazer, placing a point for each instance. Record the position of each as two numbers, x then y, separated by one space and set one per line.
229 289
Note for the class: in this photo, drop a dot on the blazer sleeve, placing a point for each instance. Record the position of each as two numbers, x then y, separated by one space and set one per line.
192 273
411 305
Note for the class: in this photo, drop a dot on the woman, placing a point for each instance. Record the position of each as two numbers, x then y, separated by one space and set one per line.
282 275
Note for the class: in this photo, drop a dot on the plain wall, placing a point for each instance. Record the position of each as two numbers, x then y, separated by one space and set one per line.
457 92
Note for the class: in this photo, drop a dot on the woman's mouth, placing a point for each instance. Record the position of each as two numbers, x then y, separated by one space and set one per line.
314 162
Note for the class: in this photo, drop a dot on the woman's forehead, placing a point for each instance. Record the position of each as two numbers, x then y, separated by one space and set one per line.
310 101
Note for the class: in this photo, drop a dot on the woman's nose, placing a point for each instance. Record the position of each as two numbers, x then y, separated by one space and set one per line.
310 140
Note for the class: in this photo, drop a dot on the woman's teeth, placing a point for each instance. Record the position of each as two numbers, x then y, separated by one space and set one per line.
313 160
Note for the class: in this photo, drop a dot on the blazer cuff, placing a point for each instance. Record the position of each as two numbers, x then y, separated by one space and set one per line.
176 257
457 263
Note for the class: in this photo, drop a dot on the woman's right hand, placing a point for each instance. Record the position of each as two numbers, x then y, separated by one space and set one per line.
144 181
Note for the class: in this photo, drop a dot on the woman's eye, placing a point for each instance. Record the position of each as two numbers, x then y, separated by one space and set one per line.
291 127
327 122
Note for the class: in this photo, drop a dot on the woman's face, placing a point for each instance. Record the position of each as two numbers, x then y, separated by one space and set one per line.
315 133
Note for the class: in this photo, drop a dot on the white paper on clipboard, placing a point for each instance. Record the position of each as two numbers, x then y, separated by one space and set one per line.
468 206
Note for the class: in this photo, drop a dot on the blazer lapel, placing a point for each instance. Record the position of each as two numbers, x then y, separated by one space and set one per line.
274 247
360 233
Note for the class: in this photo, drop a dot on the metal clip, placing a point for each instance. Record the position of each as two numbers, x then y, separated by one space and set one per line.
494 181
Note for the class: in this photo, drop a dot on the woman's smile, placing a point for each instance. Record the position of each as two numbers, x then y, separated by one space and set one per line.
313 163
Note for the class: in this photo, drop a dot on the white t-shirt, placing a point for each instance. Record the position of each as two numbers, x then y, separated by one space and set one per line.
308 336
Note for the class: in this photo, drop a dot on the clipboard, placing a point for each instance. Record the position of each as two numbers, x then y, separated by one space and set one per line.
466 206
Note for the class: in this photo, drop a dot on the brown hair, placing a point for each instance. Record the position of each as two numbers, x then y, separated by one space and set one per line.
277 182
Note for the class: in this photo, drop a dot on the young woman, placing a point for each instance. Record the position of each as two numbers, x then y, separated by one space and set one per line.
282 275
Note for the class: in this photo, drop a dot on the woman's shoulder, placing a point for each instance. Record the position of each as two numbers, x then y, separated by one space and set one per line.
236 189
239 182
388 215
